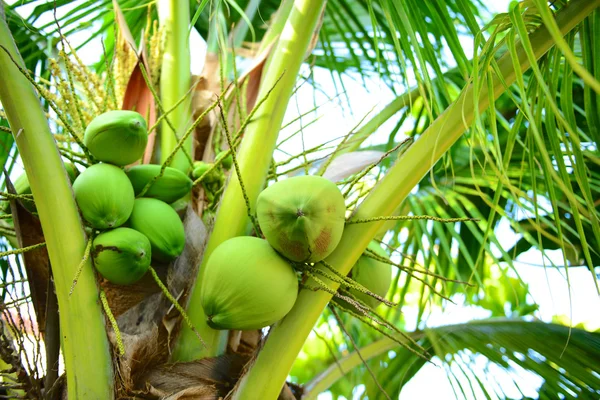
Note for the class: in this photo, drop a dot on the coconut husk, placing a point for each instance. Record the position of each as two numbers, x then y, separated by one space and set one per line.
208 377
243 342
122 298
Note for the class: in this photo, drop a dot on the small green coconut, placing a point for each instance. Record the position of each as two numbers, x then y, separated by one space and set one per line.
200 167
21 185
247 285
117 137
121 255
172 185
302 217
227 160
104 196
161 225
374 275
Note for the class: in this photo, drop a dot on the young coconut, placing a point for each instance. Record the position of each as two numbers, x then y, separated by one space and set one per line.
117 137
121 255
201 167
247 285
372 274
172 185
227 160
104 196
161 225
302 217
21 185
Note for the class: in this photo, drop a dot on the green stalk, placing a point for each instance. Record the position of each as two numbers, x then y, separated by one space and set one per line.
85 348
404 100
175 78
254 159
277 25
266 377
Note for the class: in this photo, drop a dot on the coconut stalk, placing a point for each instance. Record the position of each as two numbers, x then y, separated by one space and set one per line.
277 25
267 375
85 345
175 79
387 112
254 160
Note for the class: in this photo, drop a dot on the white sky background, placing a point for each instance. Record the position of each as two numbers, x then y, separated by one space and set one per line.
548 287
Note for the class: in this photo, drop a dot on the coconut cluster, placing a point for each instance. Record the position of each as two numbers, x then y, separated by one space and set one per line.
249 282
133 231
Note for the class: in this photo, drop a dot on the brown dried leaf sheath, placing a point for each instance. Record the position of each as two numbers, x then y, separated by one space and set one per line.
28 231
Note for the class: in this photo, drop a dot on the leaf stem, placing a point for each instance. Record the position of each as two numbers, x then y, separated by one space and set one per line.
85 345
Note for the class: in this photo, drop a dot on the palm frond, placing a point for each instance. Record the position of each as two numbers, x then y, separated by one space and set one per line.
560 361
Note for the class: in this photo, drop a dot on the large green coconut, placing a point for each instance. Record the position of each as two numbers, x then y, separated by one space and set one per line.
247 285
117 137
161 225
302 217
104 196
121 255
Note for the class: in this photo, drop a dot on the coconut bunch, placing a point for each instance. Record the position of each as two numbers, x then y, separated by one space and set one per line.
250 283
129 207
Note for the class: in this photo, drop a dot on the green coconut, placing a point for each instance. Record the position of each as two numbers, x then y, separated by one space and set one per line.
161 225
172 185
21 185
121 255
227 159
200 167
104 196
302 217
117 137
374 275
247 285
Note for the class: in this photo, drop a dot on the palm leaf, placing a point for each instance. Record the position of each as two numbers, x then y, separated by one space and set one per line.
565 359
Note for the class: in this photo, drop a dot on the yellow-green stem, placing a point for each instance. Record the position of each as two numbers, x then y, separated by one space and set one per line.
382 116
175 78
277 25
254 159
85 345
266 377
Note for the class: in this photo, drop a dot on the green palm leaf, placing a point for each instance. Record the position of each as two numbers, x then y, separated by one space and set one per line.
564 358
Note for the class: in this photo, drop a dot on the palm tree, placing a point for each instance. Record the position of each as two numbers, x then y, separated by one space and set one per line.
471 146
